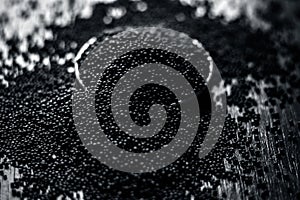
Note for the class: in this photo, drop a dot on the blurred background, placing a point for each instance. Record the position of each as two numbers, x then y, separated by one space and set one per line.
255 45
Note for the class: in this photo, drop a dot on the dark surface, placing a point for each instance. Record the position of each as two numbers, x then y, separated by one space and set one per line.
257 156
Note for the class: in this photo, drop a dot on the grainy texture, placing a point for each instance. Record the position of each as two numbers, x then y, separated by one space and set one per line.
257 156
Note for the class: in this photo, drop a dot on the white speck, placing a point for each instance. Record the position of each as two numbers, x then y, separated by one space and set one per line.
211 67
5 71
69 56
30 67
5 82
73 45
48 35
200 11
105 1
71 69
197 43
20 60
34 57
180 17
46 61
107 19
142 6
8 62
61 61
86 12
116 12
188 2
24 46
250 64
